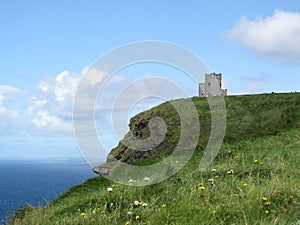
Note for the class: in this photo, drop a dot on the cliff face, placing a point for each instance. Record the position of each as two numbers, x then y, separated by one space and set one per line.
247 117
138 144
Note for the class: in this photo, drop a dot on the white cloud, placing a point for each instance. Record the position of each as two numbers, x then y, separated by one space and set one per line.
8 92
11 120
50 110
276 36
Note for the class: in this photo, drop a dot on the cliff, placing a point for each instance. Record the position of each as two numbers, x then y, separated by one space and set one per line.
247 116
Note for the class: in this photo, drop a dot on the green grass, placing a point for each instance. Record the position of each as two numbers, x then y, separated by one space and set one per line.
262 146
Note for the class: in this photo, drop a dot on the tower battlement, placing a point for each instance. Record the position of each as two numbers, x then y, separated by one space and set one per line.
212 86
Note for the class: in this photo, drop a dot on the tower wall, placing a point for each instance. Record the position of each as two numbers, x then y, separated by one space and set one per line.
212 86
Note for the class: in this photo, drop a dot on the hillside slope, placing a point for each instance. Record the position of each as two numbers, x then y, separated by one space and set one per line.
255 178
247 117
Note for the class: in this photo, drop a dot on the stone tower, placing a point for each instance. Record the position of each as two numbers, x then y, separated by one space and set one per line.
212 86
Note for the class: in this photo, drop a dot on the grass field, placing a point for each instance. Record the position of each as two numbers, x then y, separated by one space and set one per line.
255 178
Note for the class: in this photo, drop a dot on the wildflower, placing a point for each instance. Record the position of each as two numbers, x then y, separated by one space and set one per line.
291 196
230 172
136 203
82 214
137 217
102 212
213 170
217 177
192 189
214 212
127 223
147 179
245 185
201 188
144 204
131 181
176 161
164 205
94 211
264 198
211 181
109 189
140 203
267 203
236 157
261 163
267 211
255 161
200 184
129 213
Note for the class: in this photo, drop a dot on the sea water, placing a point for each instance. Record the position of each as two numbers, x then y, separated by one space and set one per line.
37 182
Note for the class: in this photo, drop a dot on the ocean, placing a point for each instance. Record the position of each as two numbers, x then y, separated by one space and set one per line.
37 182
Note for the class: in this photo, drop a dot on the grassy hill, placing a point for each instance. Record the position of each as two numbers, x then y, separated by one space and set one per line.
255 178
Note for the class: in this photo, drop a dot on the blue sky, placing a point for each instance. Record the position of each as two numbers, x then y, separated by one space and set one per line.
46 46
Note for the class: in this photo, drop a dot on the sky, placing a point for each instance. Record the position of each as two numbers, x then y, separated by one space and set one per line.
46 47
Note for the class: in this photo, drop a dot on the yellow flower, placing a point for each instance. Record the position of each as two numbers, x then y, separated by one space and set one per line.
291 196
102 212
217 177
201 188
137 217
245 185
82 214
127 223
214 212
230 172
94 211
236 157
140 203
255 161
261 163
264 198
267 212
176 161
164 205
200 185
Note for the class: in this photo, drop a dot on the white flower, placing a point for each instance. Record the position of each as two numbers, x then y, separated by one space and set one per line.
230 172
136 203
147 179
144 204
211 181
213 170
132 181
129 213
109 189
